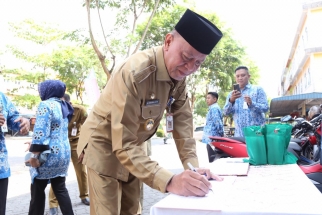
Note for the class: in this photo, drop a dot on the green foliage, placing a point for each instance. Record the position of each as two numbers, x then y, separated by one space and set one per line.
201 107
40 34
162 23
160 133
69 59
20 74
26 100
127 14
73 64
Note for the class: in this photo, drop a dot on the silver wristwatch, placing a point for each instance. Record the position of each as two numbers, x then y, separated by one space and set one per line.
34 156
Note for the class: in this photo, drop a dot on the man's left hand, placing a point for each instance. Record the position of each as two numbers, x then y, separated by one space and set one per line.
24 125
209 175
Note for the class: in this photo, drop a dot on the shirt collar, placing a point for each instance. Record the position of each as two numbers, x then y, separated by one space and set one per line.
213 105
248 86
162 72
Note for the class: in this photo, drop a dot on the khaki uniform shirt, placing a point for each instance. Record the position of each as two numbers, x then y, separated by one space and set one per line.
115 130
79 116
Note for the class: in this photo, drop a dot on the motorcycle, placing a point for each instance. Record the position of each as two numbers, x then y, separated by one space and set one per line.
302 144
305 142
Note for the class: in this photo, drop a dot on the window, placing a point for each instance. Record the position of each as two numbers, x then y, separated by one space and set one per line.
200 128
308 77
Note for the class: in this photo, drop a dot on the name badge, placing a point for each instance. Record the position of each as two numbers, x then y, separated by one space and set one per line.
245 106
74 132
169 123
152 102
4 128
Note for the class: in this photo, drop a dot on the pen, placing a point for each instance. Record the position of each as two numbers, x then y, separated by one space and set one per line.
193 169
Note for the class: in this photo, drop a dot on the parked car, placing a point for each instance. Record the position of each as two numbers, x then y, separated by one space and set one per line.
198 132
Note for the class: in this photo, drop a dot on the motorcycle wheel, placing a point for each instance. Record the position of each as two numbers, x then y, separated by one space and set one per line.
308 152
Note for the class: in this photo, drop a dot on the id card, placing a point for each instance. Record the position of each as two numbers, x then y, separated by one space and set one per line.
245 106
4 127
74 132
169 123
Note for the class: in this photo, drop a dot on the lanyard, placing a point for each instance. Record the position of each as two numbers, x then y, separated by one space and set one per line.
170 102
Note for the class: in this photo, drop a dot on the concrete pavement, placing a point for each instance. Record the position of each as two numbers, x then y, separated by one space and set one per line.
19 182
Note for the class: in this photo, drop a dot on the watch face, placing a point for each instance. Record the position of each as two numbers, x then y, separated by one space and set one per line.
33 155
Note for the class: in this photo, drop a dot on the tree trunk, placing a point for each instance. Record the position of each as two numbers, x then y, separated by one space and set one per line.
100 56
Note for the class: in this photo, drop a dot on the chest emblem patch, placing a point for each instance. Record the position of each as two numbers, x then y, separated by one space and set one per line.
148 125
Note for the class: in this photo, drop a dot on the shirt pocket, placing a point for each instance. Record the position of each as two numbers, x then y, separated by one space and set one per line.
151 111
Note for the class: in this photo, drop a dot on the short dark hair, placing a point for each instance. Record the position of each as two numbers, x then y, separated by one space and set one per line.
242 67
67 97
213 94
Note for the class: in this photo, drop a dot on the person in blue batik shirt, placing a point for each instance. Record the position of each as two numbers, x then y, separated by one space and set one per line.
50 133
9 118
249 106
214 120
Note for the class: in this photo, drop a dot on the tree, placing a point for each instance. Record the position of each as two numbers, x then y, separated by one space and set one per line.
25 94
55 59
131 44
73 64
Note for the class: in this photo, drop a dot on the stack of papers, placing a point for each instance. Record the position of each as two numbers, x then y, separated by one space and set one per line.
229 166
211 202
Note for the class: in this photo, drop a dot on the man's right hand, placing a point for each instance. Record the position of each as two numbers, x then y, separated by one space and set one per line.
189 183
234 95
2 119
80 158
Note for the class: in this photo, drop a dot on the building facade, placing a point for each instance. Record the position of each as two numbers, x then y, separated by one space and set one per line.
303 72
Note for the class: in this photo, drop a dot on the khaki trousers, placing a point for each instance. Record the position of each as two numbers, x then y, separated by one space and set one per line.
110 196
81 175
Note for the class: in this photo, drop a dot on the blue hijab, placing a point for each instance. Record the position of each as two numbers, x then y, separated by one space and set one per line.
55 88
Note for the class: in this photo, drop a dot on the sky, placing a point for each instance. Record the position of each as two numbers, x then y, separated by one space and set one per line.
265 27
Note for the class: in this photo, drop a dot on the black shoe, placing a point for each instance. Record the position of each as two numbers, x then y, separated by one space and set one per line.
85 201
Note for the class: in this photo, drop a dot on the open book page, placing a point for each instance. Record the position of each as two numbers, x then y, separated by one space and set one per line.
229 166
212 201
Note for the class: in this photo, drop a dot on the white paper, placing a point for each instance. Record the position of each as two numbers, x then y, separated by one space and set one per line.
213 201
209 202
229 166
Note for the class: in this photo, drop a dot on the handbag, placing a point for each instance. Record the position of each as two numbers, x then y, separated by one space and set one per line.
255 143
42 157
278 137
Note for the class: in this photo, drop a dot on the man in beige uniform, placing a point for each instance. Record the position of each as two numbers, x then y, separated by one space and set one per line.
128 113
74 127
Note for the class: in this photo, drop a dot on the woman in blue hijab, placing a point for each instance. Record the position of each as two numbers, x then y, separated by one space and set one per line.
50 133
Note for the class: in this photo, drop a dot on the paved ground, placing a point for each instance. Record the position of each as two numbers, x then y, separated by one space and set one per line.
19 183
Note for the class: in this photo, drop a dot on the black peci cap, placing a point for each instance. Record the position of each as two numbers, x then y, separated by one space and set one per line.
198 31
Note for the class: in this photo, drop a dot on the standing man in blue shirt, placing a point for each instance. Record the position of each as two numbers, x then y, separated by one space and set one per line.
248 105
9 118
214 120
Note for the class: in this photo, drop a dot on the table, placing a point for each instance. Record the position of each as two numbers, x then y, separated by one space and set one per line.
268 189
